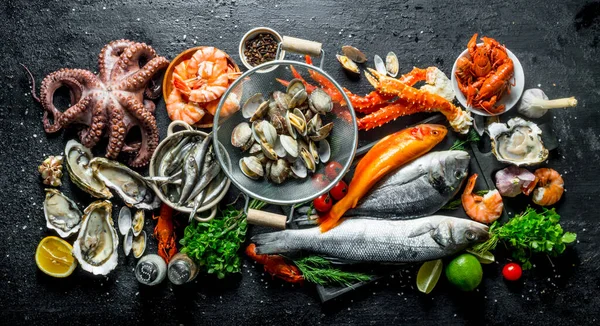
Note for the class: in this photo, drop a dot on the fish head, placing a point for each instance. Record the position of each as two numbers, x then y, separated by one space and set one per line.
459 233
448 170
432 132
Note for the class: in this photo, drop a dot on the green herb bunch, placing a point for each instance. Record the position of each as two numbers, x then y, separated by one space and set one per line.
318 270
529 233
472 137
214 245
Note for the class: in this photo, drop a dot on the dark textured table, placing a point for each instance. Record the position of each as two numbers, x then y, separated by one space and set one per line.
556 41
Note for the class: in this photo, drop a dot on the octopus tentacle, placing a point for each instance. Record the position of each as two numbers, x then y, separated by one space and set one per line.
109 55
148 129
74 113
49 86
150 106
90 136
116 131
142 77
130 58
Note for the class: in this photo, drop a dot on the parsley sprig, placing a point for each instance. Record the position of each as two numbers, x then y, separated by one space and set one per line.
214 245
472 137
529 233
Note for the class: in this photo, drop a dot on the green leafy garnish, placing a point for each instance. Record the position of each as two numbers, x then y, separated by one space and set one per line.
529 233
214 245
453 204
472 137
482 192
318 270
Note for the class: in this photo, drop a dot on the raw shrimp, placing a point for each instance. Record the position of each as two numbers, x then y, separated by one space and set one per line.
484 209
549 188
179 108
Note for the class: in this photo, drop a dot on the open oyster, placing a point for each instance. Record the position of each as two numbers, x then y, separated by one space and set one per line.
128 184
96 246
518 142
78 159
62 214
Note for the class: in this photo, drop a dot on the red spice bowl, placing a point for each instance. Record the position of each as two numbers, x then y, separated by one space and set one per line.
509 100
167 86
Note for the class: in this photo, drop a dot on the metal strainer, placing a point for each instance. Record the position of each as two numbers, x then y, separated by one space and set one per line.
263 79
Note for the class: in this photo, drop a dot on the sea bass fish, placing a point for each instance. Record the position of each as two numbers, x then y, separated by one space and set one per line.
388 154
382 241
418 189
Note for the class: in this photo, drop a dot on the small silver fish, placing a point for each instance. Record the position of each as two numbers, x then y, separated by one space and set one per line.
418 189
190 173
382 241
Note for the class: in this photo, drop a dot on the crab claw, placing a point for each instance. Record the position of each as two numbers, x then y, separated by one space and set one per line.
373 76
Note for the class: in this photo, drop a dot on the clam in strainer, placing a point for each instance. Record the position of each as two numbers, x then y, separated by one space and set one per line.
265 80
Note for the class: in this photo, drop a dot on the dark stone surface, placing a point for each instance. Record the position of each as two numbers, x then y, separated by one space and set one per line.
556 41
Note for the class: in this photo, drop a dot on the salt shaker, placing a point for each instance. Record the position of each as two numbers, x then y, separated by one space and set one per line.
150 270
182 269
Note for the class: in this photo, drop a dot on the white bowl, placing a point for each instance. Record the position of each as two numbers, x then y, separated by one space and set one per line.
509 100
253 33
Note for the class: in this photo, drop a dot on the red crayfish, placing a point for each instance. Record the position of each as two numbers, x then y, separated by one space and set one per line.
276 265
165 233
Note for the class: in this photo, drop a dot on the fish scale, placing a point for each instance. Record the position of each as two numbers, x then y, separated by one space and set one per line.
383 241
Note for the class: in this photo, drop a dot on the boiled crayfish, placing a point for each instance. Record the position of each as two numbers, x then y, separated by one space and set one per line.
276 265
165 233
485 75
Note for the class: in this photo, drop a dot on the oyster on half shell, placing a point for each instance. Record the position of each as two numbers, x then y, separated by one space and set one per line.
518 142
62 214
78 158
96 246
128 184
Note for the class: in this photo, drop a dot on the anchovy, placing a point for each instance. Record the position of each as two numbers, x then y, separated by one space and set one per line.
381 241
213 192
177 162
208 174
190 173
418 189
168 159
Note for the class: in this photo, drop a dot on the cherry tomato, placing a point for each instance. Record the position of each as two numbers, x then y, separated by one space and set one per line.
339 191
512 271
323 203
333 169
320 181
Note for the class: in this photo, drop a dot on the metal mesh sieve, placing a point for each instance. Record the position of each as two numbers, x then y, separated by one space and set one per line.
262 79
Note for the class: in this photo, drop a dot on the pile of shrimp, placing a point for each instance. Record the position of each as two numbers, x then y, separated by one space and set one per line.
199 83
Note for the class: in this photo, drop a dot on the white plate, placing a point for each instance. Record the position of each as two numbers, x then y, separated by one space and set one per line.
509 100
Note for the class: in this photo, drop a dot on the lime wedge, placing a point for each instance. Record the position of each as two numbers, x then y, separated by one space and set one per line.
428 275
484 258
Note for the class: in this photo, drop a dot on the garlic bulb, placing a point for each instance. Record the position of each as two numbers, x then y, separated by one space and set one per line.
535 103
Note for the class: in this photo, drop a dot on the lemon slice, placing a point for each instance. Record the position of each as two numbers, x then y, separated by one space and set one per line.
428 275
484 258
53 257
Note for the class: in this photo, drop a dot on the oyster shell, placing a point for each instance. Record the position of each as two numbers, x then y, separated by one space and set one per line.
78 159
128 184
96 246
62 214
518 142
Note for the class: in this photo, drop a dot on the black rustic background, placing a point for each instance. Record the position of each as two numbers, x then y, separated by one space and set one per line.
556 42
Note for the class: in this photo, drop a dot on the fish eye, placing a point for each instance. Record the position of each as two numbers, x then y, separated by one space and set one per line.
435 132
458 174
469 235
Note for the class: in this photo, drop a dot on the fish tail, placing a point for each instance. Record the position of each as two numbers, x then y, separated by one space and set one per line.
271 243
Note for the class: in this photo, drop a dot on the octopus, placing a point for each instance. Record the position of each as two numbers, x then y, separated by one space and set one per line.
116 100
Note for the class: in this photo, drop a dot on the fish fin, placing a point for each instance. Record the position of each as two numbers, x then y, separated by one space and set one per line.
340 261
422 229
270 243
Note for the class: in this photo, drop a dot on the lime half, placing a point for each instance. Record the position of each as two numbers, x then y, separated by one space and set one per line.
485 257
428 275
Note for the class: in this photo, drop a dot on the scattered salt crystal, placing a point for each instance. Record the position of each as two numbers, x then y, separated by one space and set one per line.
103 8
184 37
421 32
539 85
24 227
137 293
137 19
34 135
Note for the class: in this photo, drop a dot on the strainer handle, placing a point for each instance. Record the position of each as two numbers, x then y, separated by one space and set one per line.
302 46
258 217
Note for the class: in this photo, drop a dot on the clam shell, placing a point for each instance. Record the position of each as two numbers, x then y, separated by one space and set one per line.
139 245
241 136
391 64
324 151
78 158
96 245
138 222
61 213
251 105
128 242
347 64
379 65
354 54
124 220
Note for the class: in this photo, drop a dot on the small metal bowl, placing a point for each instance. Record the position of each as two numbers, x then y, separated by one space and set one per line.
165 145
252 34
509 100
